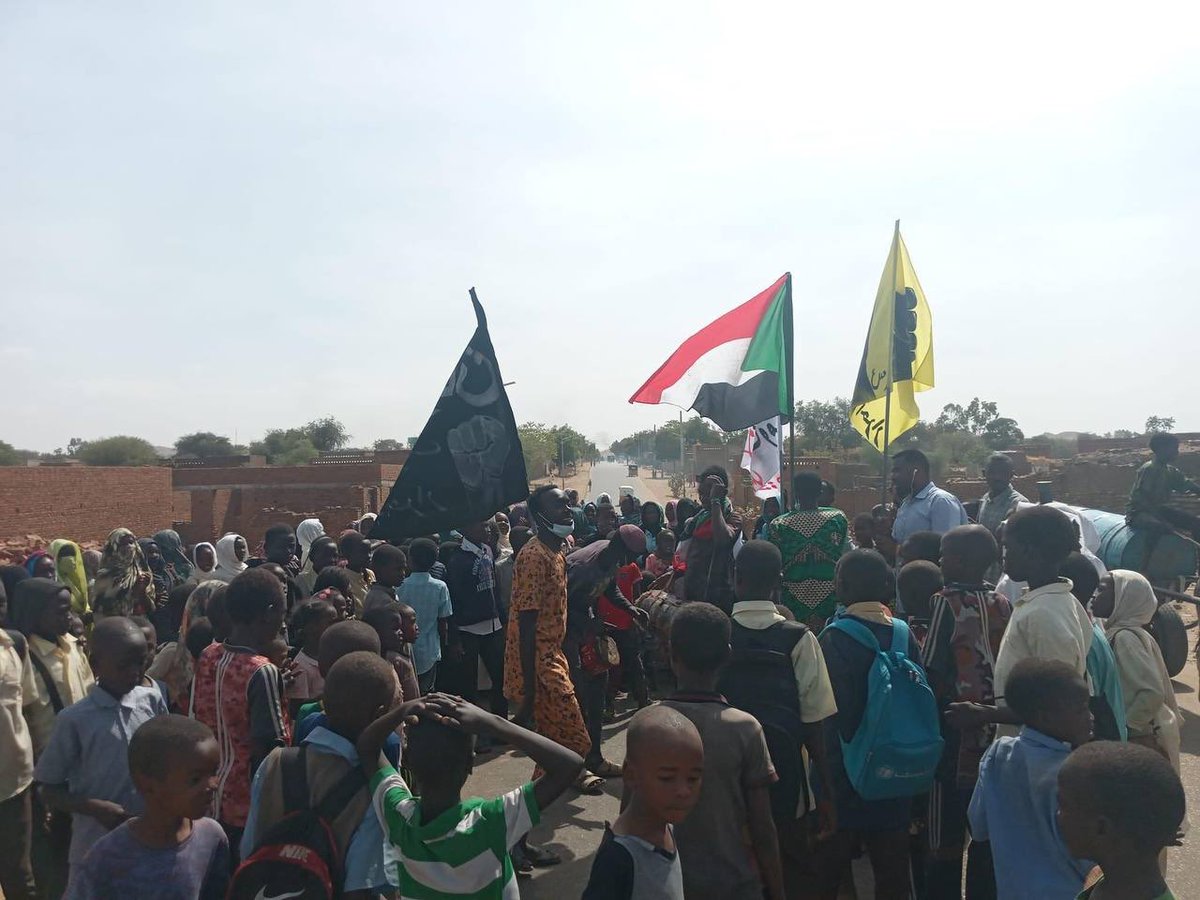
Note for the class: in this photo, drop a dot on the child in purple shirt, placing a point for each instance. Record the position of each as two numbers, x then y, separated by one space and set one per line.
172 851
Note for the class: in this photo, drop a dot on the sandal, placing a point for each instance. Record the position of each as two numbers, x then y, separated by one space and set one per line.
607 770
521 863
589 784
540 857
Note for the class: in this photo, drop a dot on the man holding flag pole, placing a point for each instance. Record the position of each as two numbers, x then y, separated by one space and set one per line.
736 372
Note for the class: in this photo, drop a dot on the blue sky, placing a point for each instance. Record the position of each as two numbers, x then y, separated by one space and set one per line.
234 217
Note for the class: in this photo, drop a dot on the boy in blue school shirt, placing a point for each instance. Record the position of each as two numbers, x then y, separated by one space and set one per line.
359 687
1015 803
84 769
430 599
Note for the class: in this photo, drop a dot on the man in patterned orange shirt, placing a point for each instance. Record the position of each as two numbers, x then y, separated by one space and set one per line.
537 680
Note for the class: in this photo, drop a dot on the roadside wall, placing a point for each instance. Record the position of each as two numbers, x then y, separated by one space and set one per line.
84 503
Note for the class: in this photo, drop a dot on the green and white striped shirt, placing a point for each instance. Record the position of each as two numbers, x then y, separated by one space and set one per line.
461 853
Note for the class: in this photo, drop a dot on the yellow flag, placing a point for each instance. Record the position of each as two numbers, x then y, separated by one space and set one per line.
898 353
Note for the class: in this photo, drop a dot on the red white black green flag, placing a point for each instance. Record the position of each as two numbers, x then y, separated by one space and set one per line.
737 370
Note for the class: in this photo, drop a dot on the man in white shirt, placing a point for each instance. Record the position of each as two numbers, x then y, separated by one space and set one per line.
1047 621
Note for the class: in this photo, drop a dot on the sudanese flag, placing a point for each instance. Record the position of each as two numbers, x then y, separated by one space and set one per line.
736 371
467 464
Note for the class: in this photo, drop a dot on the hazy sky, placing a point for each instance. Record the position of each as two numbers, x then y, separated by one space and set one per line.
233 217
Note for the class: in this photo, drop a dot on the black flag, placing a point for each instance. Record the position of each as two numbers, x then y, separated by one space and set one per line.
467 464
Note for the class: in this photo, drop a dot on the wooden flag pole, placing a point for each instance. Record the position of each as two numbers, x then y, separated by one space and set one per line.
887 403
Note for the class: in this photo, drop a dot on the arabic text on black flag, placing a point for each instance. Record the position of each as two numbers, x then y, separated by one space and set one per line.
467 464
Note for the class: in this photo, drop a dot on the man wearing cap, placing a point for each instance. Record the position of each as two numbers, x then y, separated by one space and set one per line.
591 575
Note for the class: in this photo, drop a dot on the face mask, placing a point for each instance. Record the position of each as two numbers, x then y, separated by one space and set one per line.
558 530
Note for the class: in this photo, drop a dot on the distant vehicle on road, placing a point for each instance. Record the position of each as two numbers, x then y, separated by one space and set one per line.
633 470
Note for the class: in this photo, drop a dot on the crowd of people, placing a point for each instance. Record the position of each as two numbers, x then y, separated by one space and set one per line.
961 692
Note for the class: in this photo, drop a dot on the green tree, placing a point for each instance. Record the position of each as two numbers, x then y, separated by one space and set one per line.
825 426
387 444
120 450
9 455
537 446
542 445
974 417
1002 433
958 448
981 418
569 445
203 445
326 434
1156 424
663 442
291 447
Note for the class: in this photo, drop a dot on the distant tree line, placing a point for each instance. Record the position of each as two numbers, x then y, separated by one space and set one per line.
286 446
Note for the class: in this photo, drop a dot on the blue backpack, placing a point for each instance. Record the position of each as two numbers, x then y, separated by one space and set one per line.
896 749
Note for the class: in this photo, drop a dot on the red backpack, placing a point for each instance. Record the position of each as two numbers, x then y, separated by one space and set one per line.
298 856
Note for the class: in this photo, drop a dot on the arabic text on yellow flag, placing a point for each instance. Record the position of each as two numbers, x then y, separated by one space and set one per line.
899 350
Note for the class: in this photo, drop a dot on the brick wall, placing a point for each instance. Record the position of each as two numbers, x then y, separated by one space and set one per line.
247 501
84 503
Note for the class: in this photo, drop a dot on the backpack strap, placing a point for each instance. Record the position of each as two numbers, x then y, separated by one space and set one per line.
339 796
51 687
859 632
19 643
899 637
293 769
293 762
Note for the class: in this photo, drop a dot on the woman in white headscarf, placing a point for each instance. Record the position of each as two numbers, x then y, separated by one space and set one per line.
232 551
1127 603
204 561
307 532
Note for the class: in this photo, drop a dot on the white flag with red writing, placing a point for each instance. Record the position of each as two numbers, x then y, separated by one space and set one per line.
761 457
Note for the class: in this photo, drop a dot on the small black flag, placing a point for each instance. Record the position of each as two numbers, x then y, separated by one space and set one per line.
467 464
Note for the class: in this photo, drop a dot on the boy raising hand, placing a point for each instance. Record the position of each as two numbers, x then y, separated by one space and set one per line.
449 846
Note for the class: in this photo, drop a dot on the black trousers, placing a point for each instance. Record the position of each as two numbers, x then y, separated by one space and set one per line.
633 673
946 837
462 676
591 691
16 839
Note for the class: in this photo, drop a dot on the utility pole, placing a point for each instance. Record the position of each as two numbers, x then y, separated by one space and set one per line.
681 459
562 462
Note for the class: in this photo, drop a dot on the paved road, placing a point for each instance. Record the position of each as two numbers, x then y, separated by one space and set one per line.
607 478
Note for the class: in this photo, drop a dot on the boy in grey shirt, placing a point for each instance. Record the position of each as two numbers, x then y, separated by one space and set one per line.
173 851
664 767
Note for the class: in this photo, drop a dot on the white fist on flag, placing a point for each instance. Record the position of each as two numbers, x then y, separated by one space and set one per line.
761 457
